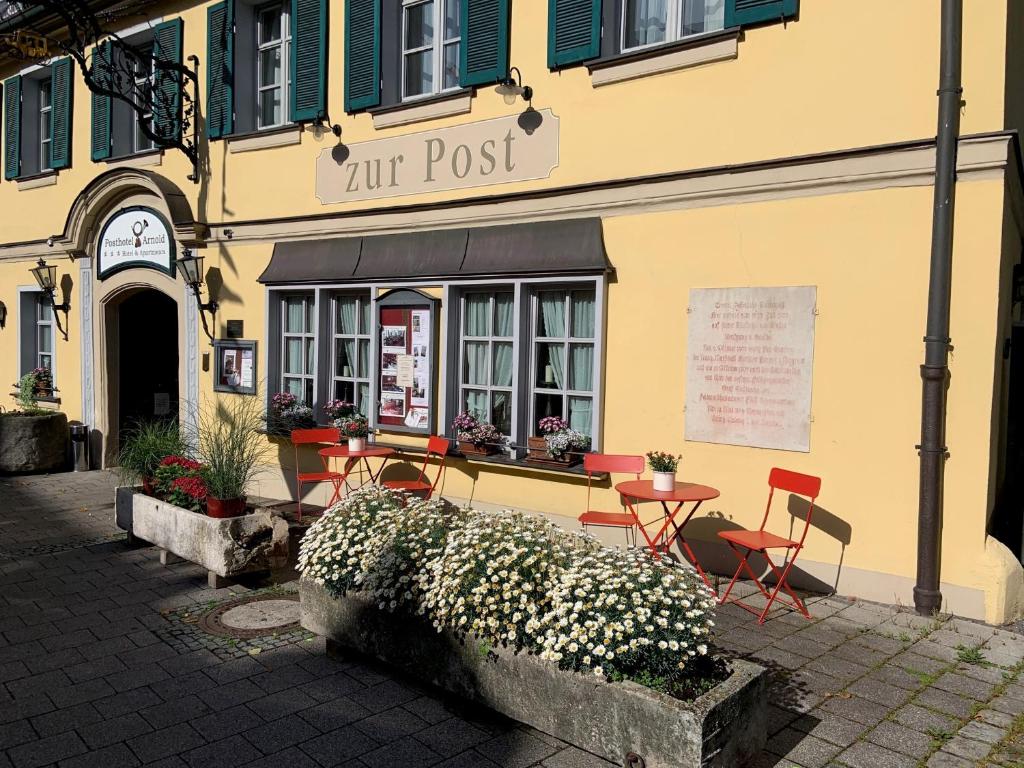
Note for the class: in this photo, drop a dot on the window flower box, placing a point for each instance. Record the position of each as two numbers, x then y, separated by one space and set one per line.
723 728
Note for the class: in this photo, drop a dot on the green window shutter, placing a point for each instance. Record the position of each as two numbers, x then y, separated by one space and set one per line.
309 59
362 54
743 13
574 31
220 70
484 51
12 127
62 79
167 47
100 140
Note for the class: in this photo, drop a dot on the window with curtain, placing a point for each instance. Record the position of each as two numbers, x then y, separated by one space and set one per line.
563 330
486 355
44 333
431 35
651 22
298 347
351 350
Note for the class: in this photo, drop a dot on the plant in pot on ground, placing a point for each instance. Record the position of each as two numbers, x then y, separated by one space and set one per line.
178 480
664 466
520 582
354 428
232 449
476 437
144 446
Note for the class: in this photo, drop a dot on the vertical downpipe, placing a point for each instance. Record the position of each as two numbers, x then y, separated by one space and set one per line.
935 371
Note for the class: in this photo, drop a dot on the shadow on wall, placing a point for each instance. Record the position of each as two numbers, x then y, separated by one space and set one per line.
715 556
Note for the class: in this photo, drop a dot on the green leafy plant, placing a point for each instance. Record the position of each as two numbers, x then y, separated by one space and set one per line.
231 446
145 446
27 397
970 655
660 461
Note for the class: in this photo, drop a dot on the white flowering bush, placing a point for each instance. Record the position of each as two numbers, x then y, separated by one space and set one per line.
518 581
495 575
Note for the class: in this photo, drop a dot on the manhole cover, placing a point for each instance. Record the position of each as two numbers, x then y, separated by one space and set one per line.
253 617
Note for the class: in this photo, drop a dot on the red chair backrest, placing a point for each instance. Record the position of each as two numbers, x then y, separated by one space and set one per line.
438 445
321 435
794 482
606 462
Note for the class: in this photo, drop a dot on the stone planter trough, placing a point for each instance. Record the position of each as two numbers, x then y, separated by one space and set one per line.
33 443
226 548
723 728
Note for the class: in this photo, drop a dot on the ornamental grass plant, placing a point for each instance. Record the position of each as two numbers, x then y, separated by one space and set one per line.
520 582
146 445
230 445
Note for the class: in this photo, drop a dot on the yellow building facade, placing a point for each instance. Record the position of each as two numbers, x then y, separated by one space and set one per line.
793 148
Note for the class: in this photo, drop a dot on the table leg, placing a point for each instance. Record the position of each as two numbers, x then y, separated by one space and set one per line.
643 530
380 470
684 545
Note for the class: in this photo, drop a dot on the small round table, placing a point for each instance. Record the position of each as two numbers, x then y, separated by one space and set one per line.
352 458
633 491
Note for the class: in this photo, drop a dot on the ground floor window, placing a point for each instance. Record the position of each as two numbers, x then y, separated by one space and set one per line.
44 333
298 346
563 358
487 352
351 350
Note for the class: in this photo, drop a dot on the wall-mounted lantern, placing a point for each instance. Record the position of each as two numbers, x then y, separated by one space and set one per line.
511 87
191 267
46 277
322 125
3 315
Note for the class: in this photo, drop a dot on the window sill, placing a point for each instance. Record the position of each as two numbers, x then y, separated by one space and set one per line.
46 179
275 137
146 159
693 52
442 105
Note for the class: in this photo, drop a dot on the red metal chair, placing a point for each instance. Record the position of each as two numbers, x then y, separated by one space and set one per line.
761 541
324 435
601 462
436 446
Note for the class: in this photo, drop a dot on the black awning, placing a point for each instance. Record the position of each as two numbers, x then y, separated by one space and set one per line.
572 246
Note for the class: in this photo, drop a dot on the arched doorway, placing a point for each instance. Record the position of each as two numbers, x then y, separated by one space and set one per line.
147 358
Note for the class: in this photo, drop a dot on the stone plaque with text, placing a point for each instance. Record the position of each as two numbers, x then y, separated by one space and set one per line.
513 148
748 368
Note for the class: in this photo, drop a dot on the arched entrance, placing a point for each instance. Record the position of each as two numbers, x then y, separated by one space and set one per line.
146 350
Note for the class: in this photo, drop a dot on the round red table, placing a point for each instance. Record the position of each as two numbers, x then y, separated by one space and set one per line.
634 491
352 458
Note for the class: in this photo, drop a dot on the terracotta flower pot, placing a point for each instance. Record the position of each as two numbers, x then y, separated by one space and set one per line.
148 486
467 448
225 507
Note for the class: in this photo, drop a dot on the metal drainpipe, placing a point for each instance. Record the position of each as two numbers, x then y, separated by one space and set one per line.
935 371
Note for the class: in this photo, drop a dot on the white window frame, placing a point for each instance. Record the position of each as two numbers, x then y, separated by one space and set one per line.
673 27
308 334
141 142
45 113
363 298
567 341
284 43
490 339
437 47
42 300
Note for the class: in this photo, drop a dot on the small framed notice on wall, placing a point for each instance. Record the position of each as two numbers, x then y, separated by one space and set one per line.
407 326
234 367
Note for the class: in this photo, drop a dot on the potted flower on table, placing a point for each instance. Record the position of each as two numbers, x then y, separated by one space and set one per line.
475 437
664 466
354 428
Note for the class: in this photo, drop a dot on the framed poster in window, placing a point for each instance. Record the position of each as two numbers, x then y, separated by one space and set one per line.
234 366
407 343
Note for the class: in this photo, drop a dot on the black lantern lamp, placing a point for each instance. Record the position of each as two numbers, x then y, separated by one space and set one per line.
46 277
322 125
191 267
511 87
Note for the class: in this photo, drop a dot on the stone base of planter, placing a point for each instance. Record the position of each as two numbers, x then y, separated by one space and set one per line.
228 547
723 728
33 443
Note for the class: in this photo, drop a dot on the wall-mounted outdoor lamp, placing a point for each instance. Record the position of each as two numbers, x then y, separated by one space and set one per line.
3 315
46 277
191 267
511 87
322 125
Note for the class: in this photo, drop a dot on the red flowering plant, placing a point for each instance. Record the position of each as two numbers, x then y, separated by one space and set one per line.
179 481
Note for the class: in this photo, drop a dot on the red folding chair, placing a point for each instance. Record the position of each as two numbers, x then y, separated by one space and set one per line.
436 446
745 543
324 435
600 462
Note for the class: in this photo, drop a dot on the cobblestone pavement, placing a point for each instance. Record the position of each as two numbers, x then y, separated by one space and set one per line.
102 663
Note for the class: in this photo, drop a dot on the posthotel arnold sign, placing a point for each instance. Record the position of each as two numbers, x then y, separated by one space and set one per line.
135 237
506 149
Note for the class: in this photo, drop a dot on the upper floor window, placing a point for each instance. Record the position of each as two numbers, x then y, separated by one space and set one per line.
652 22
142 72
273 78
37 107
431 34
45 122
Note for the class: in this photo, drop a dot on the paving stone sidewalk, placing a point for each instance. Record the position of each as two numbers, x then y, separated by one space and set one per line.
101 664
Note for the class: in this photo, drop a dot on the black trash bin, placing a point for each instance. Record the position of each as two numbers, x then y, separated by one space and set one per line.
80 447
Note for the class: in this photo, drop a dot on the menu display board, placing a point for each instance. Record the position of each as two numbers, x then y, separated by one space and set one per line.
407 348
235 366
